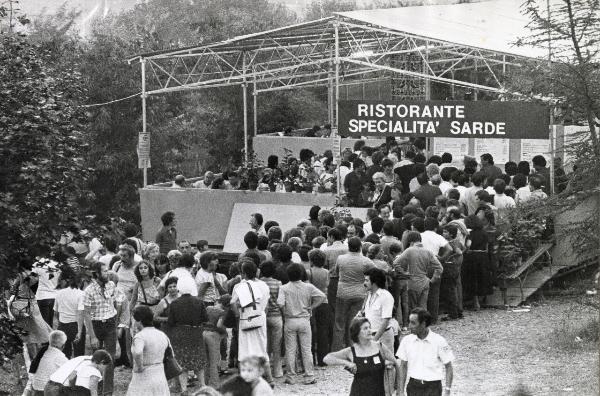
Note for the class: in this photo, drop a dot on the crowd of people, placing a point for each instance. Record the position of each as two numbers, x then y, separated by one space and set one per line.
396 165
334 290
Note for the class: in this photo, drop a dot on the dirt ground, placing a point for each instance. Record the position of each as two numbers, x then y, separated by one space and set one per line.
498 352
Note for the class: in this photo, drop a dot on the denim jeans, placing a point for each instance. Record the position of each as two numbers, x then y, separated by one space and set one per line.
345 311
212 341
298 329
274 337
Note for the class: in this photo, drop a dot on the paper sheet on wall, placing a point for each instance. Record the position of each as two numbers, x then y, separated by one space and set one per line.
458 147
498 148
532 147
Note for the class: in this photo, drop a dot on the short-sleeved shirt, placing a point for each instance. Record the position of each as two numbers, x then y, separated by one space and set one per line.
68 301
351 268
426 358
203 276
85 372
183 277
319 277
274 285
100 302
296 299
378 306
47 283
433 241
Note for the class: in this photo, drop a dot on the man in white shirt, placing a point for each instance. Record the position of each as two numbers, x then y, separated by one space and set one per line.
378 307
182 273
503 202
425 358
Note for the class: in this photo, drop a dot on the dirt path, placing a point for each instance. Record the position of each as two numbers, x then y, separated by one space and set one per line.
497 351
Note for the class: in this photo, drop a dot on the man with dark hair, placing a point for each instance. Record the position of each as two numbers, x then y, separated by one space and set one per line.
313 216
535 186
270 224
297 301
256 223
251 242
488 168
371 214
424 356
446 175
166 239
468 198
377 225
502 202
388 237
446 160
539 164
354 182
378 307
426 193
350 269
439 246
284 255
419 262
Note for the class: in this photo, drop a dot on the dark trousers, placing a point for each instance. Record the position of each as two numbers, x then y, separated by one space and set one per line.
331 298
423 388
322 331
449 295
47 310
72 348
345 311
106 333
433 300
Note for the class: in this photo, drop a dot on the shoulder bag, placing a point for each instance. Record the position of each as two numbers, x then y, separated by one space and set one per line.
171 366
250 318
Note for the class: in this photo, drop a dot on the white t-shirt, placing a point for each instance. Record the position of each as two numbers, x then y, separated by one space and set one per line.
426 358
107 258
47 284
433 241
204 276
84 372
68 301
445 186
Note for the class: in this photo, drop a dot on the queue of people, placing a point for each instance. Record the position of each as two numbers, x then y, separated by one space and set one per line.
333 290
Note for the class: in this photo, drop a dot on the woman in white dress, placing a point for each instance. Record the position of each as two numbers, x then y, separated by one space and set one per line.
148 351
252 342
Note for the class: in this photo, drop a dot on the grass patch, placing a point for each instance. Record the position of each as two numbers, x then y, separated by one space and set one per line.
571 334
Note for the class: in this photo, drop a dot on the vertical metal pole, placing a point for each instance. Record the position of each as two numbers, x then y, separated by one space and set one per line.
330 88
245 97
337 95
552 128
255 112
143 62
552 156
475 91
428 141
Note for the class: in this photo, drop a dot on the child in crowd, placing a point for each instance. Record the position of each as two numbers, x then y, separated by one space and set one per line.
249 382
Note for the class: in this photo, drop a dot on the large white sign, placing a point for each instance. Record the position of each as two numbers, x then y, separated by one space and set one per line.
532 147
458 147
498 148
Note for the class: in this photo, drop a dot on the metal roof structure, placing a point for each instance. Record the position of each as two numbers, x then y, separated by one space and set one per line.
352 48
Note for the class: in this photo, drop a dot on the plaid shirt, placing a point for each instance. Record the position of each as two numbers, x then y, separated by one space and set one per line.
272 307
100 303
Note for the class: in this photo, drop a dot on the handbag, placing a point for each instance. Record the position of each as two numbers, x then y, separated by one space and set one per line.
171 366
252 320
153 307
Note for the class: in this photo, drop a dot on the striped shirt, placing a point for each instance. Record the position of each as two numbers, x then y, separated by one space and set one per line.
274 286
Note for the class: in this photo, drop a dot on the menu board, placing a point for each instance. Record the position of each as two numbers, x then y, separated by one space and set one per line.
498 148
458 147
532 147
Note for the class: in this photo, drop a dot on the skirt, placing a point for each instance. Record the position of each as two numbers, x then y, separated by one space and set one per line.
36 328
188 346
477 274
150 382
253 343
